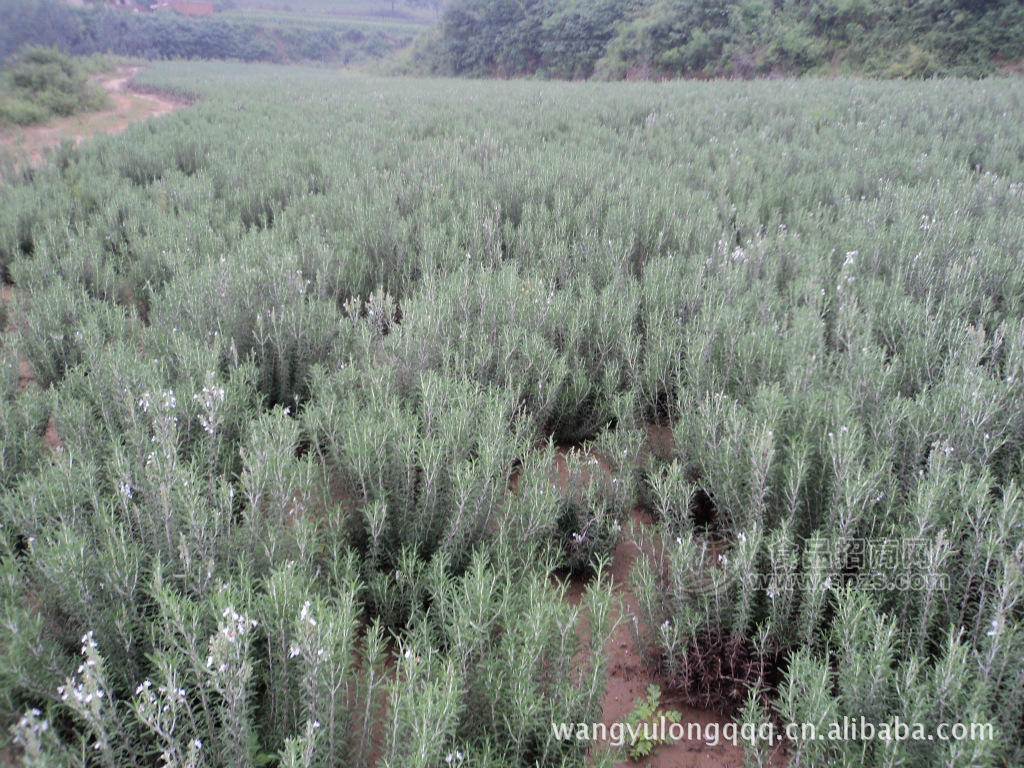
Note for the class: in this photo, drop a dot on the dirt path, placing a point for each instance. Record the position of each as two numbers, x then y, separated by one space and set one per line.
127 106
628 675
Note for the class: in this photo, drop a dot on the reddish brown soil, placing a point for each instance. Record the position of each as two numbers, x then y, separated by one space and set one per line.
628 675
377 713
660 440
25 374
593 461
50 438
1011 67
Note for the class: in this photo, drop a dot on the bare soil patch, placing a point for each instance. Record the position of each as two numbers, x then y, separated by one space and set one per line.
1008 66
660 440
128 105
628 674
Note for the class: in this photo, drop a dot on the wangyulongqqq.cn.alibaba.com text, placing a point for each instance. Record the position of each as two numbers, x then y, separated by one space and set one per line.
662 730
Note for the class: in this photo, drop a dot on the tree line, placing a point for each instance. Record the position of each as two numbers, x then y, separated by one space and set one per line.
617 39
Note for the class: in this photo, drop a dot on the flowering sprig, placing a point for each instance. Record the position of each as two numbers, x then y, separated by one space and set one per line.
210 399
324 638
87 695
230 671
36 738
162 409
163 711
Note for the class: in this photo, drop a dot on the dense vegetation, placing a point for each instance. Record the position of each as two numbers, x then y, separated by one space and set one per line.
413 10
667 38
167 35
297 338
43 83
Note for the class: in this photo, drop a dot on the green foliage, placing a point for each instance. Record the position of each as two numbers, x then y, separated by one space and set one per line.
334 409
42 83
22 421
167 35
645 720
615 39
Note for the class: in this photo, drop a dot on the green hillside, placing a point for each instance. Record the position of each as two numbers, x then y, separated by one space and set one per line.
266 36
618 39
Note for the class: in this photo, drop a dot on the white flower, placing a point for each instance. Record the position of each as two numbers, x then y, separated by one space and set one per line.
169 400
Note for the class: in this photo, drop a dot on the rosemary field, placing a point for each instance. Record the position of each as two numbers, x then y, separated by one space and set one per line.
295 341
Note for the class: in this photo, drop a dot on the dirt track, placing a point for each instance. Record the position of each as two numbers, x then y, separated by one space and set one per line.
628 675
127 106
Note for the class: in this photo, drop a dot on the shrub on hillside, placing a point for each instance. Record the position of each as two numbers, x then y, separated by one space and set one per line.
45 82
